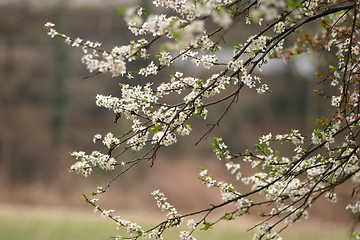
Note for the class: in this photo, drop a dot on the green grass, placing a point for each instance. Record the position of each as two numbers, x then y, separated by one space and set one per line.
58 224
41 228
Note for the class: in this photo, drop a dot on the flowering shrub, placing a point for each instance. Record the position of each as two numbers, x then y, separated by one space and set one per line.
323 159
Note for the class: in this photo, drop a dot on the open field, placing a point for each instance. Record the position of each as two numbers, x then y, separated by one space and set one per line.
30 223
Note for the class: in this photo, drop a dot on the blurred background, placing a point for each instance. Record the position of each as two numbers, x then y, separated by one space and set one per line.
47 109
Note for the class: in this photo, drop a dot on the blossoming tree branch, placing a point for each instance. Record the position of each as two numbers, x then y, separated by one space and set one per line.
321 160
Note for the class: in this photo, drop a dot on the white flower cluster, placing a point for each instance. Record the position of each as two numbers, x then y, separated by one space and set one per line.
311 6
165 59
186 235
140 100
335 101
279 27
355 208
222 17
191 224
86 162
219 148
130 227
234 169
237 66
227 191
193 9
294 137
356 236
185 28
133 17
113 62
166 206
257 44
331 197
110 141
208 60
51 31
107 213
266 233
151 69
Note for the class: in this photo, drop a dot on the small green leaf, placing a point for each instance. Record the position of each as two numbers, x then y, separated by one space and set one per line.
208 225
155 128
293 4
228 217
215 144
261 148
221 9
318 133
121 10
176 33
261 214
332 68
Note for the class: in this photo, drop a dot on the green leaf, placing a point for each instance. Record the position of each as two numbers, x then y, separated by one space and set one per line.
261 214
293 4
333 69
208 225
317 133
248 152
228 217
121 10
221 9
215 144
164 47
261 148
176 33
155 128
